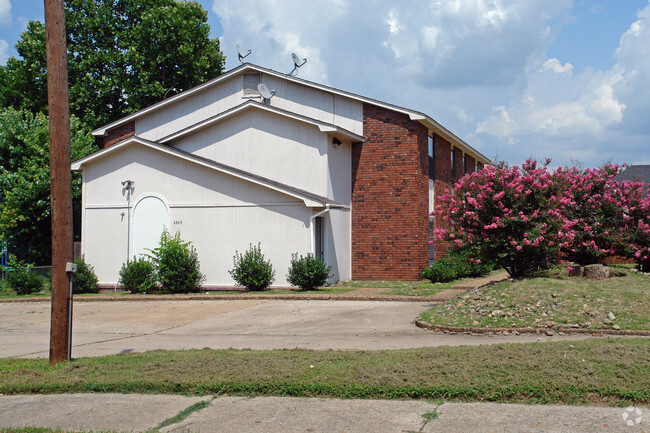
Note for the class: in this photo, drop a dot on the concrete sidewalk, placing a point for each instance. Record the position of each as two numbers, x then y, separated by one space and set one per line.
138 413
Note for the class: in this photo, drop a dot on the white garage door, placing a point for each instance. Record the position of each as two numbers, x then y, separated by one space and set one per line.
150 216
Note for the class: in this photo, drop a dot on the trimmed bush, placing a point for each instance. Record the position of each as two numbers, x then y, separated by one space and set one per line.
22 279
440 271
251 271
308 272
85 279
177 264
138 276
459 263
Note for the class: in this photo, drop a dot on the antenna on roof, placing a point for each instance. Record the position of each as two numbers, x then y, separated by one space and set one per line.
296 63
241 53
265 92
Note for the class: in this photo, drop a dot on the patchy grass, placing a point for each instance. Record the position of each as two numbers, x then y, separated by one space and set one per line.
552 299
407 288
600 371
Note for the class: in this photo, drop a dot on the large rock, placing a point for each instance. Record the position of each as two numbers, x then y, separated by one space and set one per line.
598 272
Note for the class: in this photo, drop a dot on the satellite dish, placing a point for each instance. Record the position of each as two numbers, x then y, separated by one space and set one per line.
265 92
241 53
296 63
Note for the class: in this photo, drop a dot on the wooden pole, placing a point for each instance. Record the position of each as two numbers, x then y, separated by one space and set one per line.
60 183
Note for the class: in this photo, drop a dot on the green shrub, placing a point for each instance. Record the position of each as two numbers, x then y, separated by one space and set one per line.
138 276
22 280
85 279
308 272
468 264
251 271
459 263
177 264
440 271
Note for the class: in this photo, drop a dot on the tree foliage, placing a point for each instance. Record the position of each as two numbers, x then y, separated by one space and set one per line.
510 216
25 180
123 55
522 220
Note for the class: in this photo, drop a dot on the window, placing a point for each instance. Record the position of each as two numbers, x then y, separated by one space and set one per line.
431 196
464 164
453 172
250 85
432 161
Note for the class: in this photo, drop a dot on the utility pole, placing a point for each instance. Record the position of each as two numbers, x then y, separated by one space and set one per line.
60 183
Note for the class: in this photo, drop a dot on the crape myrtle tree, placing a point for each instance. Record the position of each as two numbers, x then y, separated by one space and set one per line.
592 214
522 220
123 55
509 216
633 223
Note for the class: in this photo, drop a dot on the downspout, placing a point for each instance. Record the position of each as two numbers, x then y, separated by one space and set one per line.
313 227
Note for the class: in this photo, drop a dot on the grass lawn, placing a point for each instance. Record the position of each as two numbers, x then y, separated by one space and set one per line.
595 371
552 299
406 288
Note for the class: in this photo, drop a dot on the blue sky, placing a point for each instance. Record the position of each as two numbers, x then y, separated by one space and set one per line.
566 79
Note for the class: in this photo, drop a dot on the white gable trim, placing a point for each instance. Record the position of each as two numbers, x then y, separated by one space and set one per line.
427 121
310 200
251 104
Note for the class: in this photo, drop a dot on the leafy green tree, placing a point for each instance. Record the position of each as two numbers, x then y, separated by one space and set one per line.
25 181
123 55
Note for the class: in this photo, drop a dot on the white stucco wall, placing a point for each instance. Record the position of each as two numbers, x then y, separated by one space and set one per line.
269 145
216 212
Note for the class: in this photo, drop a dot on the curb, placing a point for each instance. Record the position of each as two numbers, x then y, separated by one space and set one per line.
542 331
297 297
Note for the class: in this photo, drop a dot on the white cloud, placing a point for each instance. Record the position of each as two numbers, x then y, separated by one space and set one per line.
4 52
555 66
479 67
5 11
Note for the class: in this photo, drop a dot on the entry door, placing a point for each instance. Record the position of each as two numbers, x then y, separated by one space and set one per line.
150 216
320 238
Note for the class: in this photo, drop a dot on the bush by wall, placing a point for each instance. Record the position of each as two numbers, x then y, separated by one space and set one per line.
177 264
459 263
22 279
308 272
251 270
138 276
85 279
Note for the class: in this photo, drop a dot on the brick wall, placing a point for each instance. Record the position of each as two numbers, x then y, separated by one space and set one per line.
470 164
389 197
119 133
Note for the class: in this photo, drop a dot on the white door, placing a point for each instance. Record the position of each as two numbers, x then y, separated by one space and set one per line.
150 216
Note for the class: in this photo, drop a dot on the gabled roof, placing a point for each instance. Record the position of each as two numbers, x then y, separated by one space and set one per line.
310 200
635 173
428 121
340 133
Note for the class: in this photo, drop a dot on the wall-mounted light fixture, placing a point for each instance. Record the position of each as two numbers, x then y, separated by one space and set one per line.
336 142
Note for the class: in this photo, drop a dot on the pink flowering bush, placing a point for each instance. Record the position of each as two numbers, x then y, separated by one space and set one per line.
591 208
522 219
633 224
509 216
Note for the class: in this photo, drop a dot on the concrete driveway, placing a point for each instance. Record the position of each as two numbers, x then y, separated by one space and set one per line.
102 328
